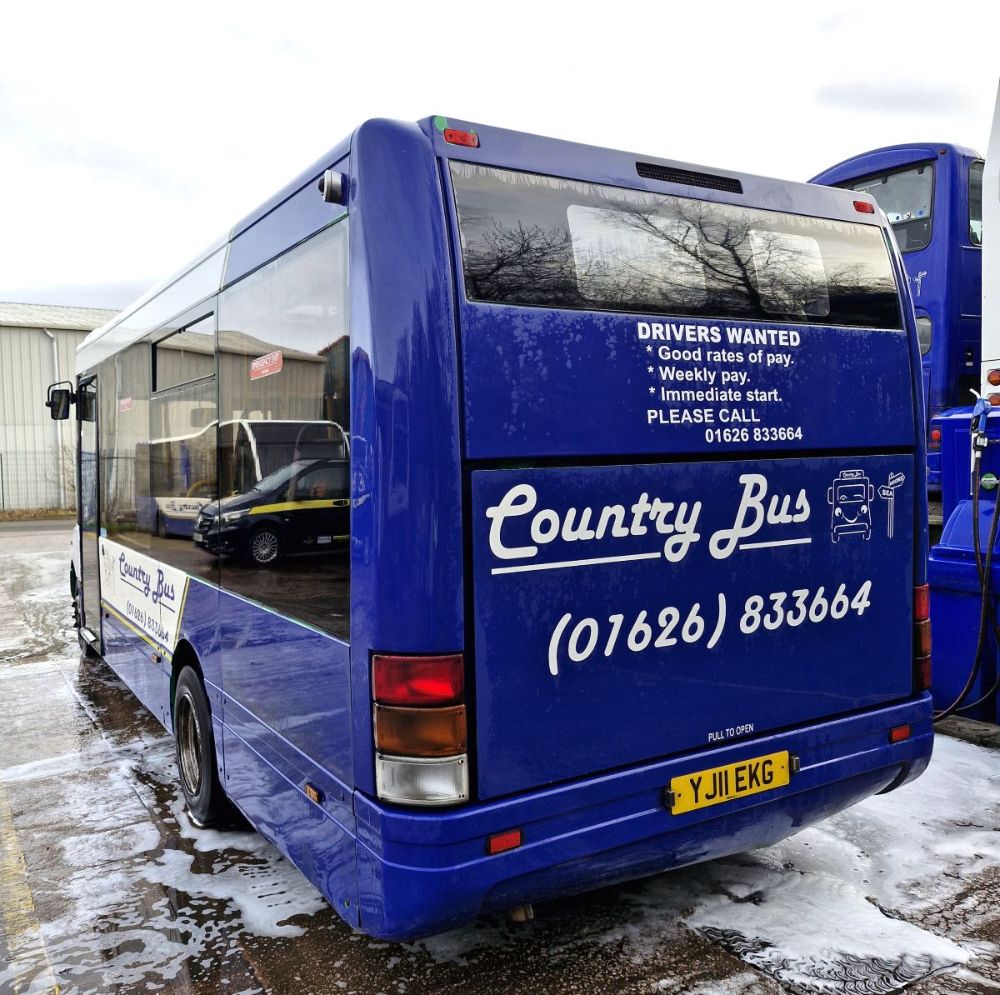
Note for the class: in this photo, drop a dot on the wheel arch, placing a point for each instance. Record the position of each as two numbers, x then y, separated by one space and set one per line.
185 656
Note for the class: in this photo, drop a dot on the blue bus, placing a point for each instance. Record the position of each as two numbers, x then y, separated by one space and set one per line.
576 601
932 195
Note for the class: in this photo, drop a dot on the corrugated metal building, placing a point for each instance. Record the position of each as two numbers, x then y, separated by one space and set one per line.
38 347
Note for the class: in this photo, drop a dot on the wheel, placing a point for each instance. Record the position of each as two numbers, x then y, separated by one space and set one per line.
264 546
195 748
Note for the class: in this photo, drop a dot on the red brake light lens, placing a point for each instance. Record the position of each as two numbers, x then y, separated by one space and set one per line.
993 378
453 136
921 603
994 400
418 680
864 207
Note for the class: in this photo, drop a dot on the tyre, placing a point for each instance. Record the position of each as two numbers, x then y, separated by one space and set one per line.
194 744
264 546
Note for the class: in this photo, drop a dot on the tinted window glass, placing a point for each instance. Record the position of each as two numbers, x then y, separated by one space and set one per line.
905 195
976 203
124 430
548 242
188 354
284 510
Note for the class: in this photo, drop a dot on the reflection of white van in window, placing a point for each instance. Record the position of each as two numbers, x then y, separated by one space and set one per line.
851 496
252 448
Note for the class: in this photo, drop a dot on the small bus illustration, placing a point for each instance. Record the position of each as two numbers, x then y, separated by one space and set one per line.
851 496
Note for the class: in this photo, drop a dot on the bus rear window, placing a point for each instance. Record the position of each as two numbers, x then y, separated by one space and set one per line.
905 195
546 242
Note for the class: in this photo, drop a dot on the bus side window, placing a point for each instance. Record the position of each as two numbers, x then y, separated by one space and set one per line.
976 203
283 377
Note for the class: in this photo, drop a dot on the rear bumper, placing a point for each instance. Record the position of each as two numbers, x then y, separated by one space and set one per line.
420 873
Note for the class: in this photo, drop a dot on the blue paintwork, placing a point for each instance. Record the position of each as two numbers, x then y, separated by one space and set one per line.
440 425
421 872
952 572
656 701
945 277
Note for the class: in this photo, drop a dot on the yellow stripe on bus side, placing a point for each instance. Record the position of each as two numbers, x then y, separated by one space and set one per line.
270 509
22 930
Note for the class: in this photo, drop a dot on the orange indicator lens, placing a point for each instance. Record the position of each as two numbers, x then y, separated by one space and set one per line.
420 732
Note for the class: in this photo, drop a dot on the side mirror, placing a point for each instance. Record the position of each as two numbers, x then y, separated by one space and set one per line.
58 401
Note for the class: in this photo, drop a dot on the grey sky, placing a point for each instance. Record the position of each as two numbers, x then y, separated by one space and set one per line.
131 135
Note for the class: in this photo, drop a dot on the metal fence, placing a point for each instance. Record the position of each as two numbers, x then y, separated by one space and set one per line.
36 480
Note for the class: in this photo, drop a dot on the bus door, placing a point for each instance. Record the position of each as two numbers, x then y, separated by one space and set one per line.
89 511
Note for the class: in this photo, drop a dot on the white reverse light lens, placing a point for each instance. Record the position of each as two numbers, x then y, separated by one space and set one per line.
413 781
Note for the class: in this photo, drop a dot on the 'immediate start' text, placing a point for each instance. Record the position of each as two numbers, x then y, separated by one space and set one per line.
715 388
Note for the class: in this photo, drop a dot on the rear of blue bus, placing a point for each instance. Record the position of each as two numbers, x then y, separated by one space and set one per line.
657 551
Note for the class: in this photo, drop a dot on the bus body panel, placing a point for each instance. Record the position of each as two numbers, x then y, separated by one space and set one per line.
423 872
592 386
714 602
406 529
294 680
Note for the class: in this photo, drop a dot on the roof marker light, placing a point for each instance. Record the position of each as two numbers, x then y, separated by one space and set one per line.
454 136
864 207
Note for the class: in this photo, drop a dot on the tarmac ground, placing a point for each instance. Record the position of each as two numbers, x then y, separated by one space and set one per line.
105 886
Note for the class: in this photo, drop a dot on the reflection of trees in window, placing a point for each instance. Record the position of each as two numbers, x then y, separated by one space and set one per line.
525 262
561 243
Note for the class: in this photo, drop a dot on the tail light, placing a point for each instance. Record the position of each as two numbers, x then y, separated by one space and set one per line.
864 207
922 637
420 727
934 439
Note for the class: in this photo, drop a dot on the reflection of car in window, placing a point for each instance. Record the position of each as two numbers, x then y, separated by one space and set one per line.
300 507
851 496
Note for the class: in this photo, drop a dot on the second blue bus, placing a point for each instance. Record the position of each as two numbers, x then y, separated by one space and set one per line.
932 195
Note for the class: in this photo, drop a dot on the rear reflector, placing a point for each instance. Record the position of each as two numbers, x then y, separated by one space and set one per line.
922 638
502 842
455 137
420 732
922 673
418 680
899 734
422 782
864 207
922 600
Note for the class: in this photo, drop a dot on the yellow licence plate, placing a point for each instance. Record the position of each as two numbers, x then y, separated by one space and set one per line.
709 787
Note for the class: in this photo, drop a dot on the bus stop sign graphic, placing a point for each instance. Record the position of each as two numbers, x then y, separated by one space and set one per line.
888 493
